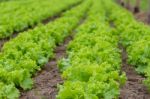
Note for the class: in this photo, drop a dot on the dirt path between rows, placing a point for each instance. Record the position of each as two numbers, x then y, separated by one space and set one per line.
134 88
45 21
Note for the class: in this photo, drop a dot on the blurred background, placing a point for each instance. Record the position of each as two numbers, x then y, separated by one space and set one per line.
140 8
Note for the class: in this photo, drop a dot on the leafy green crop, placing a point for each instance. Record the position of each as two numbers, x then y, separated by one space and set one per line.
135 36
92 69
19 15
24 55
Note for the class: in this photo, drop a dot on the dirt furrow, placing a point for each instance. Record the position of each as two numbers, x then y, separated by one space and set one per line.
134 88
45 21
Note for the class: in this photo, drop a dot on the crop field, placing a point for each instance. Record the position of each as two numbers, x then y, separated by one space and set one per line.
72 49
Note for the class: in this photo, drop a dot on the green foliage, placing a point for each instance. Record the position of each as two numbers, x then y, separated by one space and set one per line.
92 69
135 36
21 14
8 91
22 56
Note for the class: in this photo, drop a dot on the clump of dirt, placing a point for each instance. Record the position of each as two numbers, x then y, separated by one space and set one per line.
134 88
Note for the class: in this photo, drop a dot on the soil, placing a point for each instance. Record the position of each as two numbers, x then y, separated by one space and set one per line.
45 21
134 88
142 16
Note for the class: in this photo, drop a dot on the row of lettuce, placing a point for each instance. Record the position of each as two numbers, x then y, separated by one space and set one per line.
135 36
22 56
18 15
92 68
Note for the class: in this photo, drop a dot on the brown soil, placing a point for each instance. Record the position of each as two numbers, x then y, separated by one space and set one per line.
45 21
142 16
134 88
